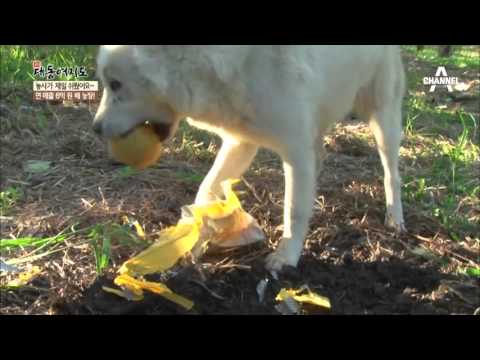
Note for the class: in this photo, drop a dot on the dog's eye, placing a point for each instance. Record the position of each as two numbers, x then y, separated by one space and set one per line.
115 85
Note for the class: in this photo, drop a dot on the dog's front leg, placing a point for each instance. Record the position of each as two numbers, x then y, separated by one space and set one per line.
299 168
232 161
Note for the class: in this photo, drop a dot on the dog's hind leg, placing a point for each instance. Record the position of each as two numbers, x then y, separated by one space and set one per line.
387 131
232 161
386 125
299 168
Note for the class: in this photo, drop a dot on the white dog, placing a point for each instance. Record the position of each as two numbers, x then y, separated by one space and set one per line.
281 97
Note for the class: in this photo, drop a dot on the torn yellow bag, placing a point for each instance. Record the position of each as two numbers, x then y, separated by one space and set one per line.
222 222
307 298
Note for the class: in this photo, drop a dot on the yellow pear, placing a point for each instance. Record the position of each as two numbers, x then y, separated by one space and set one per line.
139 149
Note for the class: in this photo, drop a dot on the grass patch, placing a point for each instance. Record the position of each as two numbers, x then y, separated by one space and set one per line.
104 236
443 167
442 150
196 144
473 272
8 198
461 56
101 242
423 117
33 241
189 176
126 172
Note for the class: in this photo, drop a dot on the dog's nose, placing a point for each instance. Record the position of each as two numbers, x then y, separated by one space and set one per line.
97 128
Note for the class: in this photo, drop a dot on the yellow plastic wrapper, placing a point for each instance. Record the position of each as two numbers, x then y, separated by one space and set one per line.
174 243
222 222
25 277
126 294
137 287
286 295
136 225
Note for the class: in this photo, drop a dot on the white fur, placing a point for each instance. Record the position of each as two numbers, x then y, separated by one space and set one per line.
284 98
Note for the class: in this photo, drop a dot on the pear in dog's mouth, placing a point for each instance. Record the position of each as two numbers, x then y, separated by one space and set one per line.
139 148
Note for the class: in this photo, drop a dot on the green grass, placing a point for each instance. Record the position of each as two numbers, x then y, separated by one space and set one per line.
126 172
189 176
461 57
8 198
473 272
446 153
35 242
443 147
100 236
101 242
196 144
103 236
422 117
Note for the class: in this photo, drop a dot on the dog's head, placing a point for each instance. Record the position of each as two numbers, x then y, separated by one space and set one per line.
131 95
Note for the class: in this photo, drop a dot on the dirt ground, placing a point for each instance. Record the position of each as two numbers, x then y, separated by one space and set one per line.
349 256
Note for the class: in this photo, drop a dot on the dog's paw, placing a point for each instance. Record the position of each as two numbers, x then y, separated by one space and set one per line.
275 262
287 254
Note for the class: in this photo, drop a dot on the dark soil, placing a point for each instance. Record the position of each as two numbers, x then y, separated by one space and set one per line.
381 287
